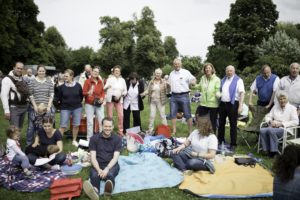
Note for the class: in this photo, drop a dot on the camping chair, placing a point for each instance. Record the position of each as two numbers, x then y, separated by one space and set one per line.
258 114
289 134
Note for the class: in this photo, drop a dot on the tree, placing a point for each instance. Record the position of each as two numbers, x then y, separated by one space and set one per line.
279 51
170 49
79 58
292 30
57 48
150 53
193 64
248 24
21 34
220 57
117 42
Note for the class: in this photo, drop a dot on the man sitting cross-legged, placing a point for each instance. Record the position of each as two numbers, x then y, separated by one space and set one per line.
105 149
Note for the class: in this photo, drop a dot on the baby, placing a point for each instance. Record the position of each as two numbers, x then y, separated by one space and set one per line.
14 152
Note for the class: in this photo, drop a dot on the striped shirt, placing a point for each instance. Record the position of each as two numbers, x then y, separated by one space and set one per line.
41 90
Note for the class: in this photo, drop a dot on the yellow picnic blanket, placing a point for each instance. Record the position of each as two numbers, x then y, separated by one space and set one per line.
230 179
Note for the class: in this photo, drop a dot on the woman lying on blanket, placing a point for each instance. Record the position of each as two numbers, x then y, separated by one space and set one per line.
200 146
47 141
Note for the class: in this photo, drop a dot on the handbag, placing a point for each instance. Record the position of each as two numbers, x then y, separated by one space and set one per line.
97 102
245 161
65 188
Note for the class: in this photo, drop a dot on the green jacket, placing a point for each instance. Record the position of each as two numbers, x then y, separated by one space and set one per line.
210 91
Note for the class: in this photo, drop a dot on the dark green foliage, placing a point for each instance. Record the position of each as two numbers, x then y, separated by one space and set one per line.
248 24
79 58
193 64
170 49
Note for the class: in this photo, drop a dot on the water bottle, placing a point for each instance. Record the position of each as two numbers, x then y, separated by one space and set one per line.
223 151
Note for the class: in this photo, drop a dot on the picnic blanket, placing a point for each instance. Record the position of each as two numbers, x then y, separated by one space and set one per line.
142 171
12 177
230 181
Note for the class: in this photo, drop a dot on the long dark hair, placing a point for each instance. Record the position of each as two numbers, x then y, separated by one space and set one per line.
285 164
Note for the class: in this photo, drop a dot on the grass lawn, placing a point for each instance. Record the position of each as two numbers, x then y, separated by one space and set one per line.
155 194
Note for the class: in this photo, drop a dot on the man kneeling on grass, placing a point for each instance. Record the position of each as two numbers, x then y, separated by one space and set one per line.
105 149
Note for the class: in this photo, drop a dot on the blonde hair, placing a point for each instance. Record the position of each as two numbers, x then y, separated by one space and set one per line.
213 71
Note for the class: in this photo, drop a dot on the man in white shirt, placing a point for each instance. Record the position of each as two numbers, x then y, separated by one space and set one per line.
180 80
291 85
14 103
232 99
86 74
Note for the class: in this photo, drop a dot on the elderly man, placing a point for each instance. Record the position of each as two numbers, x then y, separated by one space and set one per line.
15 99
105 149
265 86
179 81
232 98
85 75
291 85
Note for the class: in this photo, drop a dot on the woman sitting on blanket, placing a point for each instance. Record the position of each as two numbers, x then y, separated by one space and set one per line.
203 144
287 174
47 141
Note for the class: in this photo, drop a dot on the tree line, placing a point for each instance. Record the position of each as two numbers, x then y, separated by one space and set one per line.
248 38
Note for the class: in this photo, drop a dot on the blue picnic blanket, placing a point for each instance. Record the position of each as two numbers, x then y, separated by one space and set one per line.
12 177
142 171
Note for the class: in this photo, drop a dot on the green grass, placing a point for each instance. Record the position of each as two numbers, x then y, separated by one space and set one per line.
155 194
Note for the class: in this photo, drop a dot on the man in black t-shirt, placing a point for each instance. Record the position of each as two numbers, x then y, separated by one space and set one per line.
105 149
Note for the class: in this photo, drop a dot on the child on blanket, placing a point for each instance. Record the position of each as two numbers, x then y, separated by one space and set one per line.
14 152
204 145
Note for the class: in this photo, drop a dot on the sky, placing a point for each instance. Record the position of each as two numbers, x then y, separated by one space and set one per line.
190 22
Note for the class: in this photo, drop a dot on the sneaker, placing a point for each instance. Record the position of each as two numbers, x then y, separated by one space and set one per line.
75 143
90 191
108 188
55 167
27 172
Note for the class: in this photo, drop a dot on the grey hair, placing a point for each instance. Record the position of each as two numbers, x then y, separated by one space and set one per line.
282 93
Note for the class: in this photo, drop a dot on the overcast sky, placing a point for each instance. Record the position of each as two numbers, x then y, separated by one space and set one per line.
190 22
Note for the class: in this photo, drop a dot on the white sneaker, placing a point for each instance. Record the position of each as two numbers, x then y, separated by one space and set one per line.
55 167
90 191
75 143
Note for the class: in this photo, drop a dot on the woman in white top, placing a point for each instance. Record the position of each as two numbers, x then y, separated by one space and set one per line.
115 90
281 115
204 144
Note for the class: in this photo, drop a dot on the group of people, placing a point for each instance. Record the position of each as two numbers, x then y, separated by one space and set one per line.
220 99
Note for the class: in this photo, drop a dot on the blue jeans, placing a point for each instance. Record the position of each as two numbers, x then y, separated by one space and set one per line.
182 101
65 116
184 162
111 175
90 110
23 160
17 115
269 138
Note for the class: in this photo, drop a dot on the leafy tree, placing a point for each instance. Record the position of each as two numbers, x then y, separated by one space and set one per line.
220 57
292 30
193 64
150 52
167 69
170 49
57 48
79 58
248 24
279 51
117 42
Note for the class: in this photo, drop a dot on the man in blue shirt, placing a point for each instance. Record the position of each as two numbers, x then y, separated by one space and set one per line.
105 149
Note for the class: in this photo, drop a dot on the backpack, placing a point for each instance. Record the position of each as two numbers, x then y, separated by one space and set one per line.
23 90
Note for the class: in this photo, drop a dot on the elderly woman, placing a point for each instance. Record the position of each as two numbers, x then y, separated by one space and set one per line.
157 91
133 101
281 115
115 90
70 98
204 144
287 174
46 137
209 87
93 93
41 92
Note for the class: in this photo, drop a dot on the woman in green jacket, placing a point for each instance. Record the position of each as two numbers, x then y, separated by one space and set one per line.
209 87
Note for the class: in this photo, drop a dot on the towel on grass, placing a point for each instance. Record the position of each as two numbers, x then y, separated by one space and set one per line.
230 181
142 171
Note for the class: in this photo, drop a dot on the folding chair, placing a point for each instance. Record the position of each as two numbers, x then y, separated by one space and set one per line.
289 134
258 114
